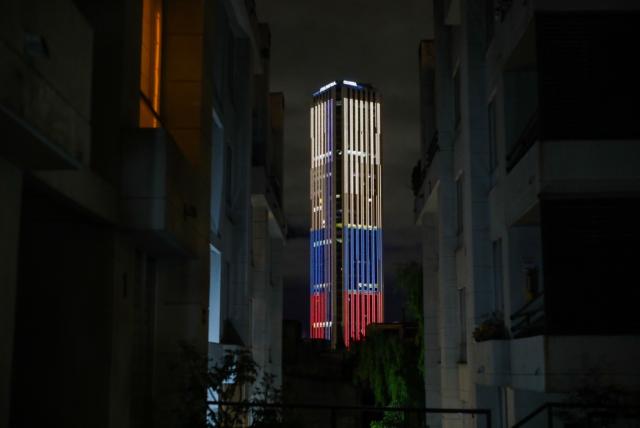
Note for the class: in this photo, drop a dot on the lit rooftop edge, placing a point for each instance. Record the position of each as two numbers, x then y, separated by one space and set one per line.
334 83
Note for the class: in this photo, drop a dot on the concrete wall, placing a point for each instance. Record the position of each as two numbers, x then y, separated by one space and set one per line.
266 296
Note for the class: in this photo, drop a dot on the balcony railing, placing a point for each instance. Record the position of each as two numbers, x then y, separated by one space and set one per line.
332 416
431 151
581 415
159 194
529 320
149 118
421 168
528 137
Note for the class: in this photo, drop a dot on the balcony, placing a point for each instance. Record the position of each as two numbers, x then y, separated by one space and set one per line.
266 191
549 363
158 194
424 176
44 126
529 135
529 320
492 362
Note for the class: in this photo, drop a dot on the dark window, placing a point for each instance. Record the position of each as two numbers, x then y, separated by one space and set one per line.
589 86
498 296
226 286
590 253
459 206
228 174
462 311
493 140
456 99
217 176
490 19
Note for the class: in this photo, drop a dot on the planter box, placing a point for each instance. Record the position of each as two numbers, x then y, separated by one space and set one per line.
492 362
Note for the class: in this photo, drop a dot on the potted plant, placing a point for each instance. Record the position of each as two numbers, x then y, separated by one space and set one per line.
492 328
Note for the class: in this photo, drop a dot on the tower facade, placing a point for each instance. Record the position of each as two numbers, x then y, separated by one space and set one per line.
346 275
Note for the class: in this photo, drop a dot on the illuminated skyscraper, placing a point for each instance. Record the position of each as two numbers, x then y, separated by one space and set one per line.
346 212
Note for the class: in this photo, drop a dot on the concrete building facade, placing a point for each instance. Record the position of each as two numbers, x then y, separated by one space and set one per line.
526 194
248 226
111 204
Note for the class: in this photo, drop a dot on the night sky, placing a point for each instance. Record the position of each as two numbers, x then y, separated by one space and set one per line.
373 41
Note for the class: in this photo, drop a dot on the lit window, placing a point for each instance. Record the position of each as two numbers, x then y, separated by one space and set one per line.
214 295
150 57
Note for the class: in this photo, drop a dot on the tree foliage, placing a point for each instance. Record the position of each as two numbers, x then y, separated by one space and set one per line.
235 379
392 366
409 280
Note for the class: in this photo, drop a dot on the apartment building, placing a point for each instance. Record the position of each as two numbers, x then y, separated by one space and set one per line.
114 175
268 222
527 195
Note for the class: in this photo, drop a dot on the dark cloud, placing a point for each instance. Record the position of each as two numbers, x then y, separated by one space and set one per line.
374 41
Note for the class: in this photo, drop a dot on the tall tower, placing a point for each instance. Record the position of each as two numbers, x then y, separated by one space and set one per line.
346 212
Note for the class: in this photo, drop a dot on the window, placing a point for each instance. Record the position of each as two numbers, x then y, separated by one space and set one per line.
228 174
490 18
150 63
459 206
217 176
493 142
532 282
457 109
462 311
496 255
214 295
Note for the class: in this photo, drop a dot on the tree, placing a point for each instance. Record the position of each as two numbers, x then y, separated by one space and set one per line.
409 279
390 365
235 379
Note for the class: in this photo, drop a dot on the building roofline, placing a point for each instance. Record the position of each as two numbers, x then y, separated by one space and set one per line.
344 82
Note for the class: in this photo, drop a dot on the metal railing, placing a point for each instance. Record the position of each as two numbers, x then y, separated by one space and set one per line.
530 318
528 137
336 410
431 151
148 107
582 415
420 171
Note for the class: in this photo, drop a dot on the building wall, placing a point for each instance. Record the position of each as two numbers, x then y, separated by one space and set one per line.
490 246
245 232
108 218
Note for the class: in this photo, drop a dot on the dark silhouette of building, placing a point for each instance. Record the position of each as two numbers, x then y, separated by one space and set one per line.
315 374
123 151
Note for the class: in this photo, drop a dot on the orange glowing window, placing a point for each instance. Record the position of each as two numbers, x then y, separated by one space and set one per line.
150 64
